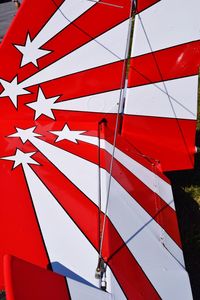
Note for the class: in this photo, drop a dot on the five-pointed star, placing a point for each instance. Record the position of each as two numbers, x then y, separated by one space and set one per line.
25 134
13 90
30 52
21 157
67 134
43 105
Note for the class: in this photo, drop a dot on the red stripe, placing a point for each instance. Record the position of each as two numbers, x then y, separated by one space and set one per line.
74 201
129 148
154 137
19 232
93 81
10 64
82 149
143 4
18 219
25 281
176 62
155 206
150 201
87 150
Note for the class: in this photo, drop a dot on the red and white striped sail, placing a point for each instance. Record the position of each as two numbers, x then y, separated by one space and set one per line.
161 105
73 188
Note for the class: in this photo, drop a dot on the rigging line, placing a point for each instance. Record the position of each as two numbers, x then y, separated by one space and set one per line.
127 55
149 80
148 158
117 56
86 33
166 90
106 3
156 86
98 269
115 133
99 174
139 230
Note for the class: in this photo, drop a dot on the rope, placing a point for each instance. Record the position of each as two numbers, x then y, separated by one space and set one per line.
121 99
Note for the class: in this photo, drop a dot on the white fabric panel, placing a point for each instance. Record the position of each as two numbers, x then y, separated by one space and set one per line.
142 217
150 179
102 50
166 24
103 103
172 99
141 235
79 291
66 244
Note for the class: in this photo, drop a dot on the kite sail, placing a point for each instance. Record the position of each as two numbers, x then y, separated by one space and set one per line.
82 154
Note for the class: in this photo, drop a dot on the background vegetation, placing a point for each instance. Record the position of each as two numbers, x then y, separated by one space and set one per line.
186 187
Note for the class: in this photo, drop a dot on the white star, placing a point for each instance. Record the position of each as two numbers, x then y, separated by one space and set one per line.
30 52
67 134
25 134
43 105
21 158
13 90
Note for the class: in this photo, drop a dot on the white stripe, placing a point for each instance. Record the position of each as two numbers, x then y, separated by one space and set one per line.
82 173
66 13
64 241
166 24
103 50
149 178
103 103
80 291
177 99
142 236
93 140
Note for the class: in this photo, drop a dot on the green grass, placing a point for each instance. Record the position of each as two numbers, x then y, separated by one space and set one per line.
194 192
